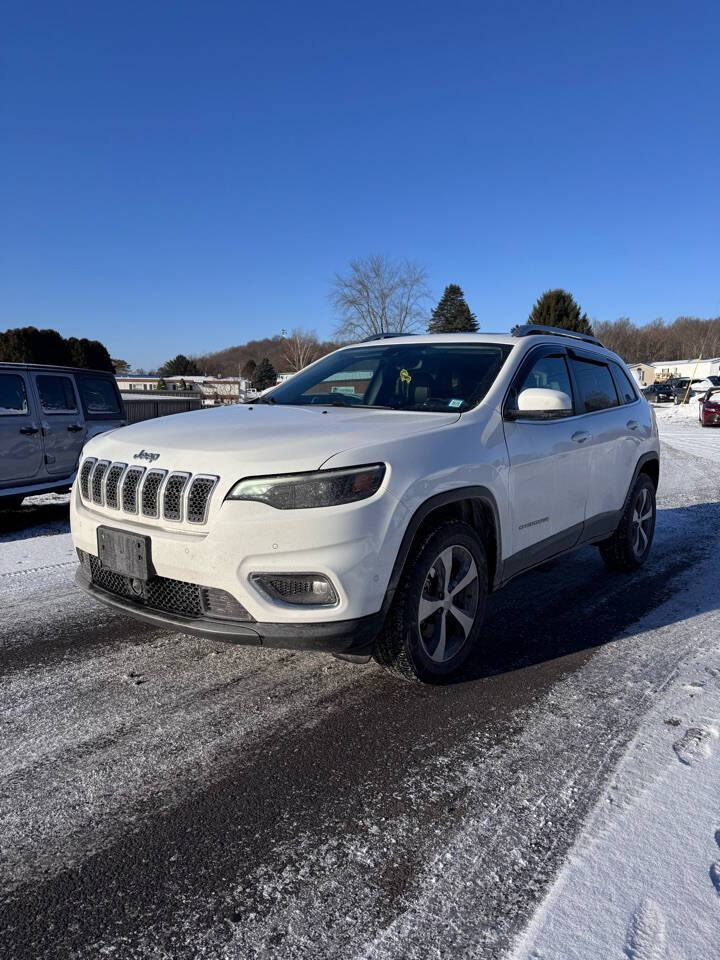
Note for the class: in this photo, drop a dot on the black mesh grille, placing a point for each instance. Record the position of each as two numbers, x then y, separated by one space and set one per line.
177 496
150 489
85 472
129 488
220 603
197 505
111 485
97 479
165 594
172 498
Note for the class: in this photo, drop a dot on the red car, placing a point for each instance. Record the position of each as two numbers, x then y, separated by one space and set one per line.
709 408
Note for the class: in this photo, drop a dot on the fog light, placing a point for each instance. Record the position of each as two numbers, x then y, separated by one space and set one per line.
303 589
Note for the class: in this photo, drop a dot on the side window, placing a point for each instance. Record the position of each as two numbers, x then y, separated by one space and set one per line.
13 398
56 394
595 384
99 396
543 392
623 385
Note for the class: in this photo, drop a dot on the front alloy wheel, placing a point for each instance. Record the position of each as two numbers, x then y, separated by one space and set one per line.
436 616
448 603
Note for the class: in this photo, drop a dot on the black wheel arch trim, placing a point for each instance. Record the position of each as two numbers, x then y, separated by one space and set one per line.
456 495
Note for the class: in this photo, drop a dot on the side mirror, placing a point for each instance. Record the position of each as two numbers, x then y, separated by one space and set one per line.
539 403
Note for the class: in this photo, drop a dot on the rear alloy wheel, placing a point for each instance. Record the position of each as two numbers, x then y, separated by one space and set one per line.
436 616
629 546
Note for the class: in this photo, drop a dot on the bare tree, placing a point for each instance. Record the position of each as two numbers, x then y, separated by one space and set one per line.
301 347
379 295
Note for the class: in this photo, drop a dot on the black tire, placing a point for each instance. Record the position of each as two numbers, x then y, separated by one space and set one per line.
423 649
11 503
628 549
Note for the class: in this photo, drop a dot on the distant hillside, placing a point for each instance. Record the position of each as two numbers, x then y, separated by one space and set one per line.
228 362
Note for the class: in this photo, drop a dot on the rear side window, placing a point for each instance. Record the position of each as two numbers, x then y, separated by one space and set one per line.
56 394
99 396
595 385
625 389
13 397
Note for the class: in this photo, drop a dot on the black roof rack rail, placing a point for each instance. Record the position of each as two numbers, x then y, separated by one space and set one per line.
530 329
385 336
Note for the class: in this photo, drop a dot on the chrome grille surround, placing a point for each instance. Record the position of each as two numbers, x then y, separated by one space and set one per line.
174 495
113 479
96 481
129 492
85 471
198 497
150 494
157 494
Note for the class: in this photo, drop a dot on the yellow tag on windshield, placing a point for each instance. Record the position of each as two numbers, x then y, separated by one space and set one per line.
405 376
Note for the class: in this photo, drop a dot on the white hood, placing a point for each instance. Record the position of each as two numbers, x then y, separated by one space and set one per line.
243 440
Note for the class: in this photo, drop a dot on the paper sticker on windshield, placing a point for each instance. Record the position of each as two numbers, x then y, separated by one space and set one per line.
405 376
455 403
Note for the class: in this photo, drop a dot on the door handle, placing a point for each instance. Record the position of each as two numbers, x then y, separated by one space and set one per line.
581 436
75 427
633 425
29 431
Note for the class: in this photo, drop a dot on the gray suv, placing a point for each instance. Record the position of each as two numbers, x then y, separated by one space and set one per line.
46 416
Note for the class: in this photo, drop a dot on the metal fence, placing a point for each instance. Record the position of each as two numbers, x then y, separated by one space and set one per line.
147 408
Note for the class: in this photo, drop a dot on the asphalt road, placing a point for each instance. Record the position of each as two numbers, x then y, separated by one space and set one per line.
168 797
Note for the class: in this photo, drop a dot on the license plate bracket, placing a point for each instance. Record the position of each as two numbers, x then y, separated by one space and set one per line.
125 553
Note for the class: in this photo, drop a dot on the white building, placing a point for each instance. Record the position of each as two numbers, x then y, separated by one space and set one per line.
214 390
687 368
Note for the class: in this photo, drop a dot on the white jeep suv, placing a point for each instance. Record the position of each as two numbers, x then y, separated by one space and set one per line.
369 504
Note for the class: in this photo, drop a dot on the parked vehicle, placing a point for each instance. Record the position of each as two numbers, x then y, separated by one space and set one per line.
659 392
681 393
369 504
46 415
709 408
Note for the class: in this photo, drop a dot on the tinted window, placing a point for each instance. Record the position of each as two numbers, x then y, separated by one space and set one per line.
99 396
625 388
550 373
408 376
597 390
56 394
546 373
13 398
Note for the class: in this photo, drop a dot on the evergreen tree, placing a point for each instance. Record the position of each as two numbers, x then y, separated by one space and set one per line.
248 371
89 353
264 376
179 366
557 308
30 345
161 385
452 314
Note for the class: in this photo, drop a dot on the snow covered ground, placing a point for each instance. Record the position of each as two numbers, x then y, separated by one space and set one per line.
643 879
168 797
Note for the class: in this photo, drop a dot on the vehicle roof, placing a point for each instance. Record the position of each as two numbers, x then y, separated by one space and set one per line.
506 339
51 366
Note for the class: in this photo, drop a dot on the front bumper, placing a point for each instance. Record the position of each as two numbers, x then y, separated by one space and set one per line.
355 637
354 546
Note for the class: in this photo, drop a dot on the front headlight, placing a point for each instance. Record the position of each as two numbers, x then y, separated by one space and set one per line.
324 488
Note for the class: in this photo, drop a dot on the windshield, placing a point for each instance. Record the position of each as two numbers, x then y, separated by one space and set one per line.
408 376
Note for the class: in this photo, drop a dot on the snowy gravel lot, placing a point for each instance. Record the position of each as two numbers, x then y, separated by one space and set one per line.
169 797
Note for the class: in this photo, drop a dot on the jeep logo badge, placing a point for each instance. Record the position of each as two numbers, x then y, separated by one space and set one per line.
144 455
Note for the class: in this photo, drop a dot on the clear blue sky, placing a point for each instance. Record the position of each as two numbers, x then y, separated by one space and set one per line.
184 176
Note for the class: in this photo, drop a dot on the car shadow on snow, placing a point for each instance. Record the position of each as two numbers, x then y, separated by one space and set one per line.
35 519
576 604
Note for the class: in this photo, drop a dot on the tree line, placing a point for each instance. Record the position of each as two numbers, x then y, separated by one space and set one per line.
375 296
30 345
